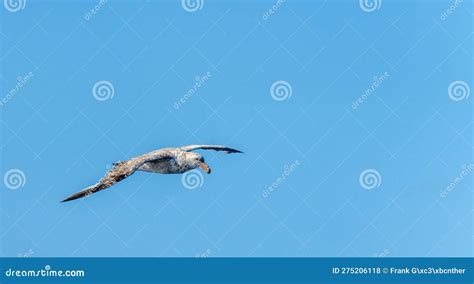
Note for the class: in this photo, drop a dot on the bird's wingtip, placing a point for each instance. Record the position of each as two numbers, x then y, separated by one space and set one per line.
230 151
70 198
234 151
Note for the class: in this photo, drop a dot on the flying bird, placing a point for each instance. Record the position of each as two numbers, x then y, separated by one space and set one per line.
165 161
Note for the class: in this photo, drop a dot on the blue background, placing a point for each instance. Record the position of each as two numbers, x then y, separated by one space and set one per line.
408 130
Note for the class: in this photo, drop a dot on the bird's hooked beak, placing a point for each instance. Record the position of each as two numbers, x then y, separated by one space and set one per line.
205 167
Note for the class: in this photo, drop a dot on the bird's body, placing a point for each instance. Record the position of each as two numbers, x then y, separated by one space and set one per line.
176 163
165 161
169 166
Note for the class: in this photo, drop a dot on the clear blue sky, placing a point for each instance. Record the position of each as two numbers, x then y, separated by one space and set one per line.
359 152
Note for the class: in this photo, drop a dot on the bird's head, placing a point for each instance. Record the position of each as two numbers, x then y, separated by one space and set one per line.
196 160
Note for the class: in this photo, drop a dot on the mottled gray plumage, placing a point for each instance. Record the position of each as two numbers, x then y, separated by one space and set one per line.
165 161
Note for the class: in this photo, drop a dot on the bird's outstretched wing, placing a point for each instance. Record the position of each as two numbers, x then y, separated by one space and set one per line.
120 171
210 147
